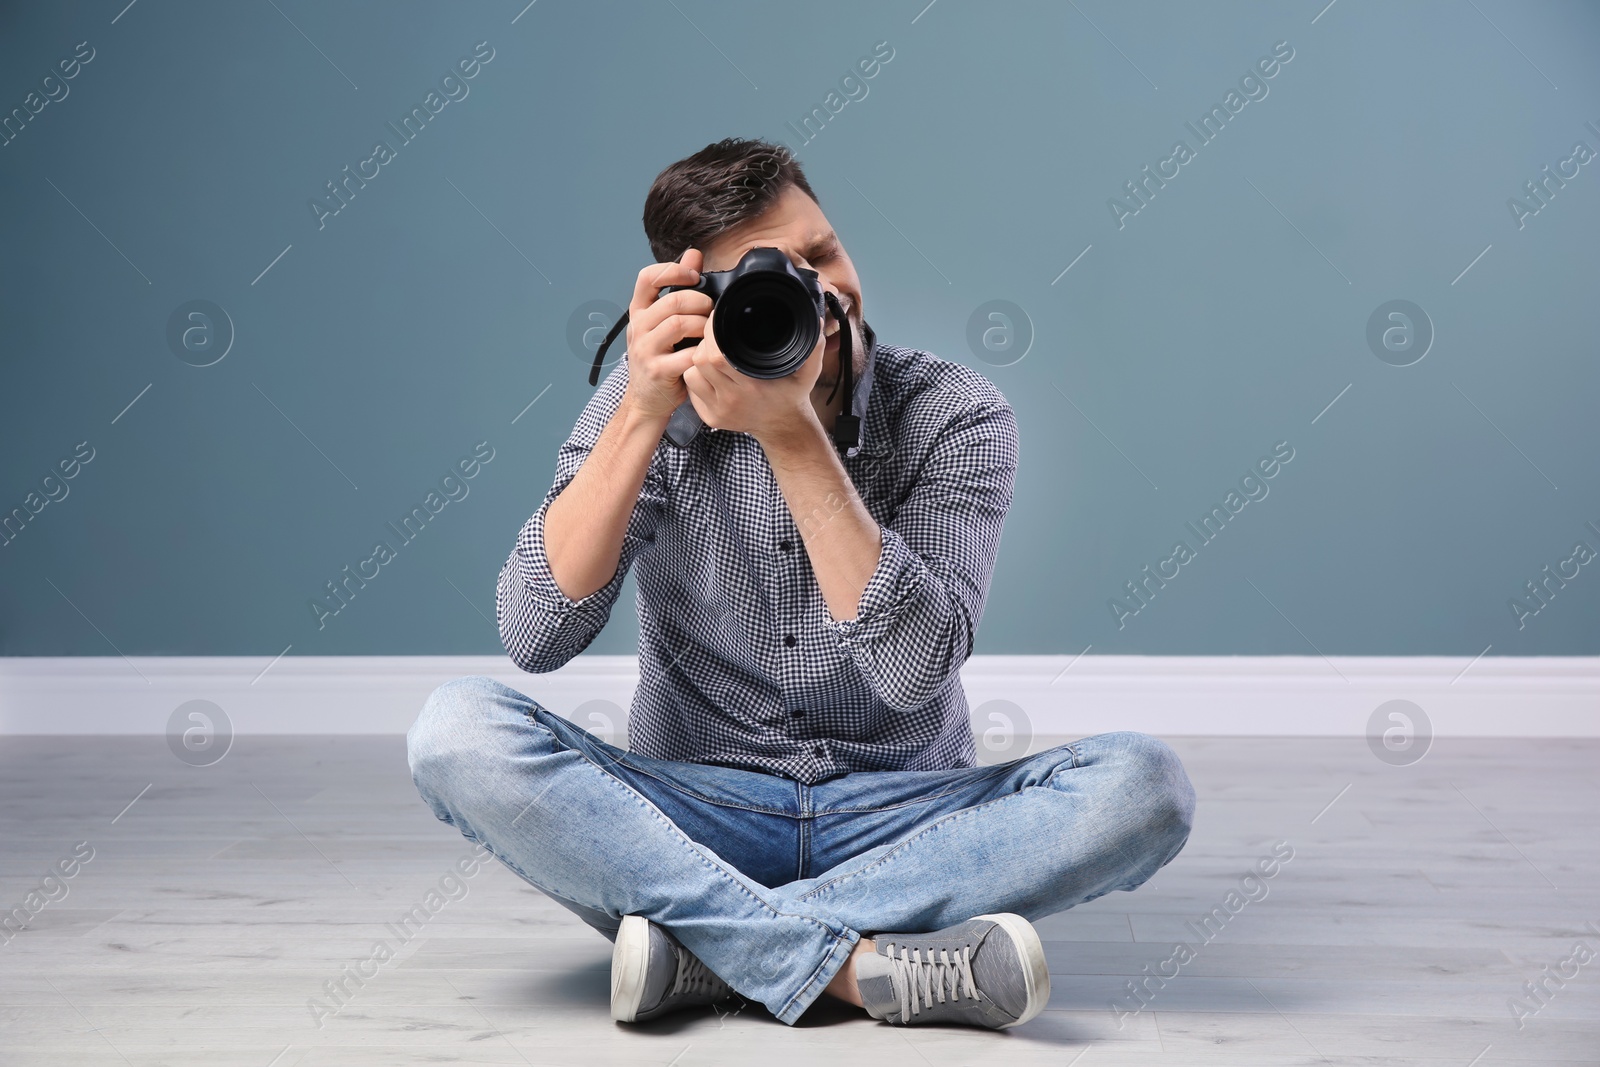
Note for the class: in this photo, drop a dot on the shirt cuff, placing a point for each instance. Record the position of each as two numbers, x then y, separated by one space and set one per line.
894 585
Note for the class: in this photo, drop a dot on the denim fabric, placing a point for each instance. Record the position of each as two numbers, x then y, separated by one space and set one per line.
769 880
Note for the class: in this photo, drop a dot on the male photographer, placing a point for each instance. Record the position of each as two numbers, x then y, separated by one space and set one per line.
800 811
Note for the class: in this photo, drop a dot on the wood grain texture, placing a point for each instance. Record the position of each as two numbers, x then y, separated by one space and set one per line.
216 907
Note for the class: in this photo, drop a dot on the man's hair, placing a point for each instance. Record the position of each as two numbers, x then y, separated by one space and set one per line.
720 186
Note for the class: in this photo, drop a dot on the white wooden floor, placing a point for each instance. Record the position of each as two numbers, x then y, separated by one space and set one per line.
217 906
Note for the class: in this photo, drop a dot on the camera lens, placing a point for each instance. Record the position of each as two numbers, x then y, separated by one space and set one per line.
764 325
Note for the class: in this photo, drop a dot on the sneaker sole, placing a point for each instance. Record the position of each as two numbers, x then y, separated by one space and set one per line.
1030 953
629 956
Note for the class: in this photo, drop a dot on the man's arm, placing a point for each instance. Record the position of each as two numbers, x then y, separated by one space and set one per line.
905 599
585 524
609 493
841 536
557 588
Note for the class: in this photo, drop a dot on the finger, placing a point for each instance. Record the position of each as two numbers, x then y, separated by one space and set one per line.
652 278
696 380
714 365
675 328
682 302
675 364
671 365
657 332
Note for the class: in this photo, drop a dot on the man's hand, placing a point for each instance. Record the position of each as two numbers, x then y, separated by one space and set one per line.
766 408
655 371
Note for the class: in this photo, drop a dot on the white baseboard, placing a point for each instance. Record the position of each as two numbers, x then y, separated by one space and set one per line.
1545 696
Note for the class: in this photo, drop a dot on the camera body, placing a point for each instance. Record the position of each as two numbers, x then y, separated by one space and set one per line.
767 315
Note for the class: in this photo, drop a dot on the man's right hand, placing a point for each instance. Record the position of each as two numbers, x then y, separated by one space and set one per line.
655 372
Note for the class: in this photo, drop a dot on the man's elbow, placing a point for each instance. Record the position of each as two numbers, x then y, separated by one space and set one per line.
911 694
531 658
932 675
539 656
538 643
527 654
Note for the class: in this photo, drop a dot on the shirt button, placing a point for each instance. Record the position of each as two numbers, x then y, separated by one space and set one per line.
789 640
786 545
816 750
798 712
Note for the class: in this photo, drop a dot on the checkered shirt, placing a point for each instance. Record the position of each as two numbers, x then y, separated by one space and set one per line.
740 662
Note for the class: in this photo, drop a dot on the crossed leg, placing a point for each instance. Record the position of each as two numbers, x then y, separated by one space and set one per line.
589 825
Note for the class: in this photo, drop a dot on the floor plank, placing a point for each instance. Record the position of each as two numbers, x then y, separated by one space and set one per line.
218 900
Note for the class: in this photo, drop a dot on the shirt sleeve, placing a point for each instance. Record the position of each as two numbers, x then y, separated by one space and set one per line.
920 610
541 627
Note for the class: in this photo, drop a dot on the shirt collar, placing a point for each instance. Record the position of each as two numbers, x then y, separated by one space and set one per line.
869 404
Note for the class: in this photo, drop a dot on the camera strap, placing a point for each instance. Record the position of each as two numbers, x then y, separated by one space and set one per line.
600 353
847 425
686 423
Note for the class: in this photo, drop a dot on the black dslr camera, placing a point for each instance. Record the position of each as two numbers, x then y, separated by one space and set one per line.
765 320
767 313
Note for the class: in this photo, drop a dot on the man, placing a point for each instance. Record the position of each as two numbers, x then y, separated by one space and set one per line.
800 812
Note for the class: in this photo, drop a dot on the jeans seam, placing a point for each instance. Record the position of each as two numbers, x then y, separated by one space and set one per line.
811 981
803 828
930 828
692 845
701 796
991 772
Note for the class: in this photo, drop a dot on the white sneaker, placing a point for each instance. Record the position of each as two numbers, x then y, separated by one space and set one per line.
651 974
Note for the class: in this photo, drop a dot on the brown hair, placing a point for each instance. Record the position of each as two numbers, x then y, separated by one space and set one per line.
718 187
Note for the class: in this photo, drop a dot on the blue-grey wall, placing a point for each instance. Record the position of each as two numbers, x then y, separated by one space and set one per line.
1198 327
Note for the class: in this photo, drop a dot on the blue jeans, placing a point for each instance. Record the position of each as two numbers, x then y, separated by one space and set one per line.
769 881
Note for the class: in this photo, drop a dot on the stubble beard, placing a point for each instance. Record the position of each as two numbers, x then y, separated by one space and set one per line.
858 357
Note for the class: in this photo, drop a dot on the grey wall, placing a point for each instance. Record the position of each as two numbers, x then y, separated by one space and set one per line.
1188 340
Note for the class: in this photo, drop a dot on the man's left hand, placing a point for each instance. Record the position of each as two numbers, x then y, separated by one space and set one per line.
766 408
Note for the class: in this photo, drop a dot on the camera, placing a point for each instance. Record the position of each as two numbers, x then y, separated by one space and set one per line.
766 317
767 314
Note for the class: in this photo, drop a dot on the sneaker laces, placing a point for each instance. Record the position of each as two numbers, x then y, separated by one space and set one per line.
922 977
694 977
